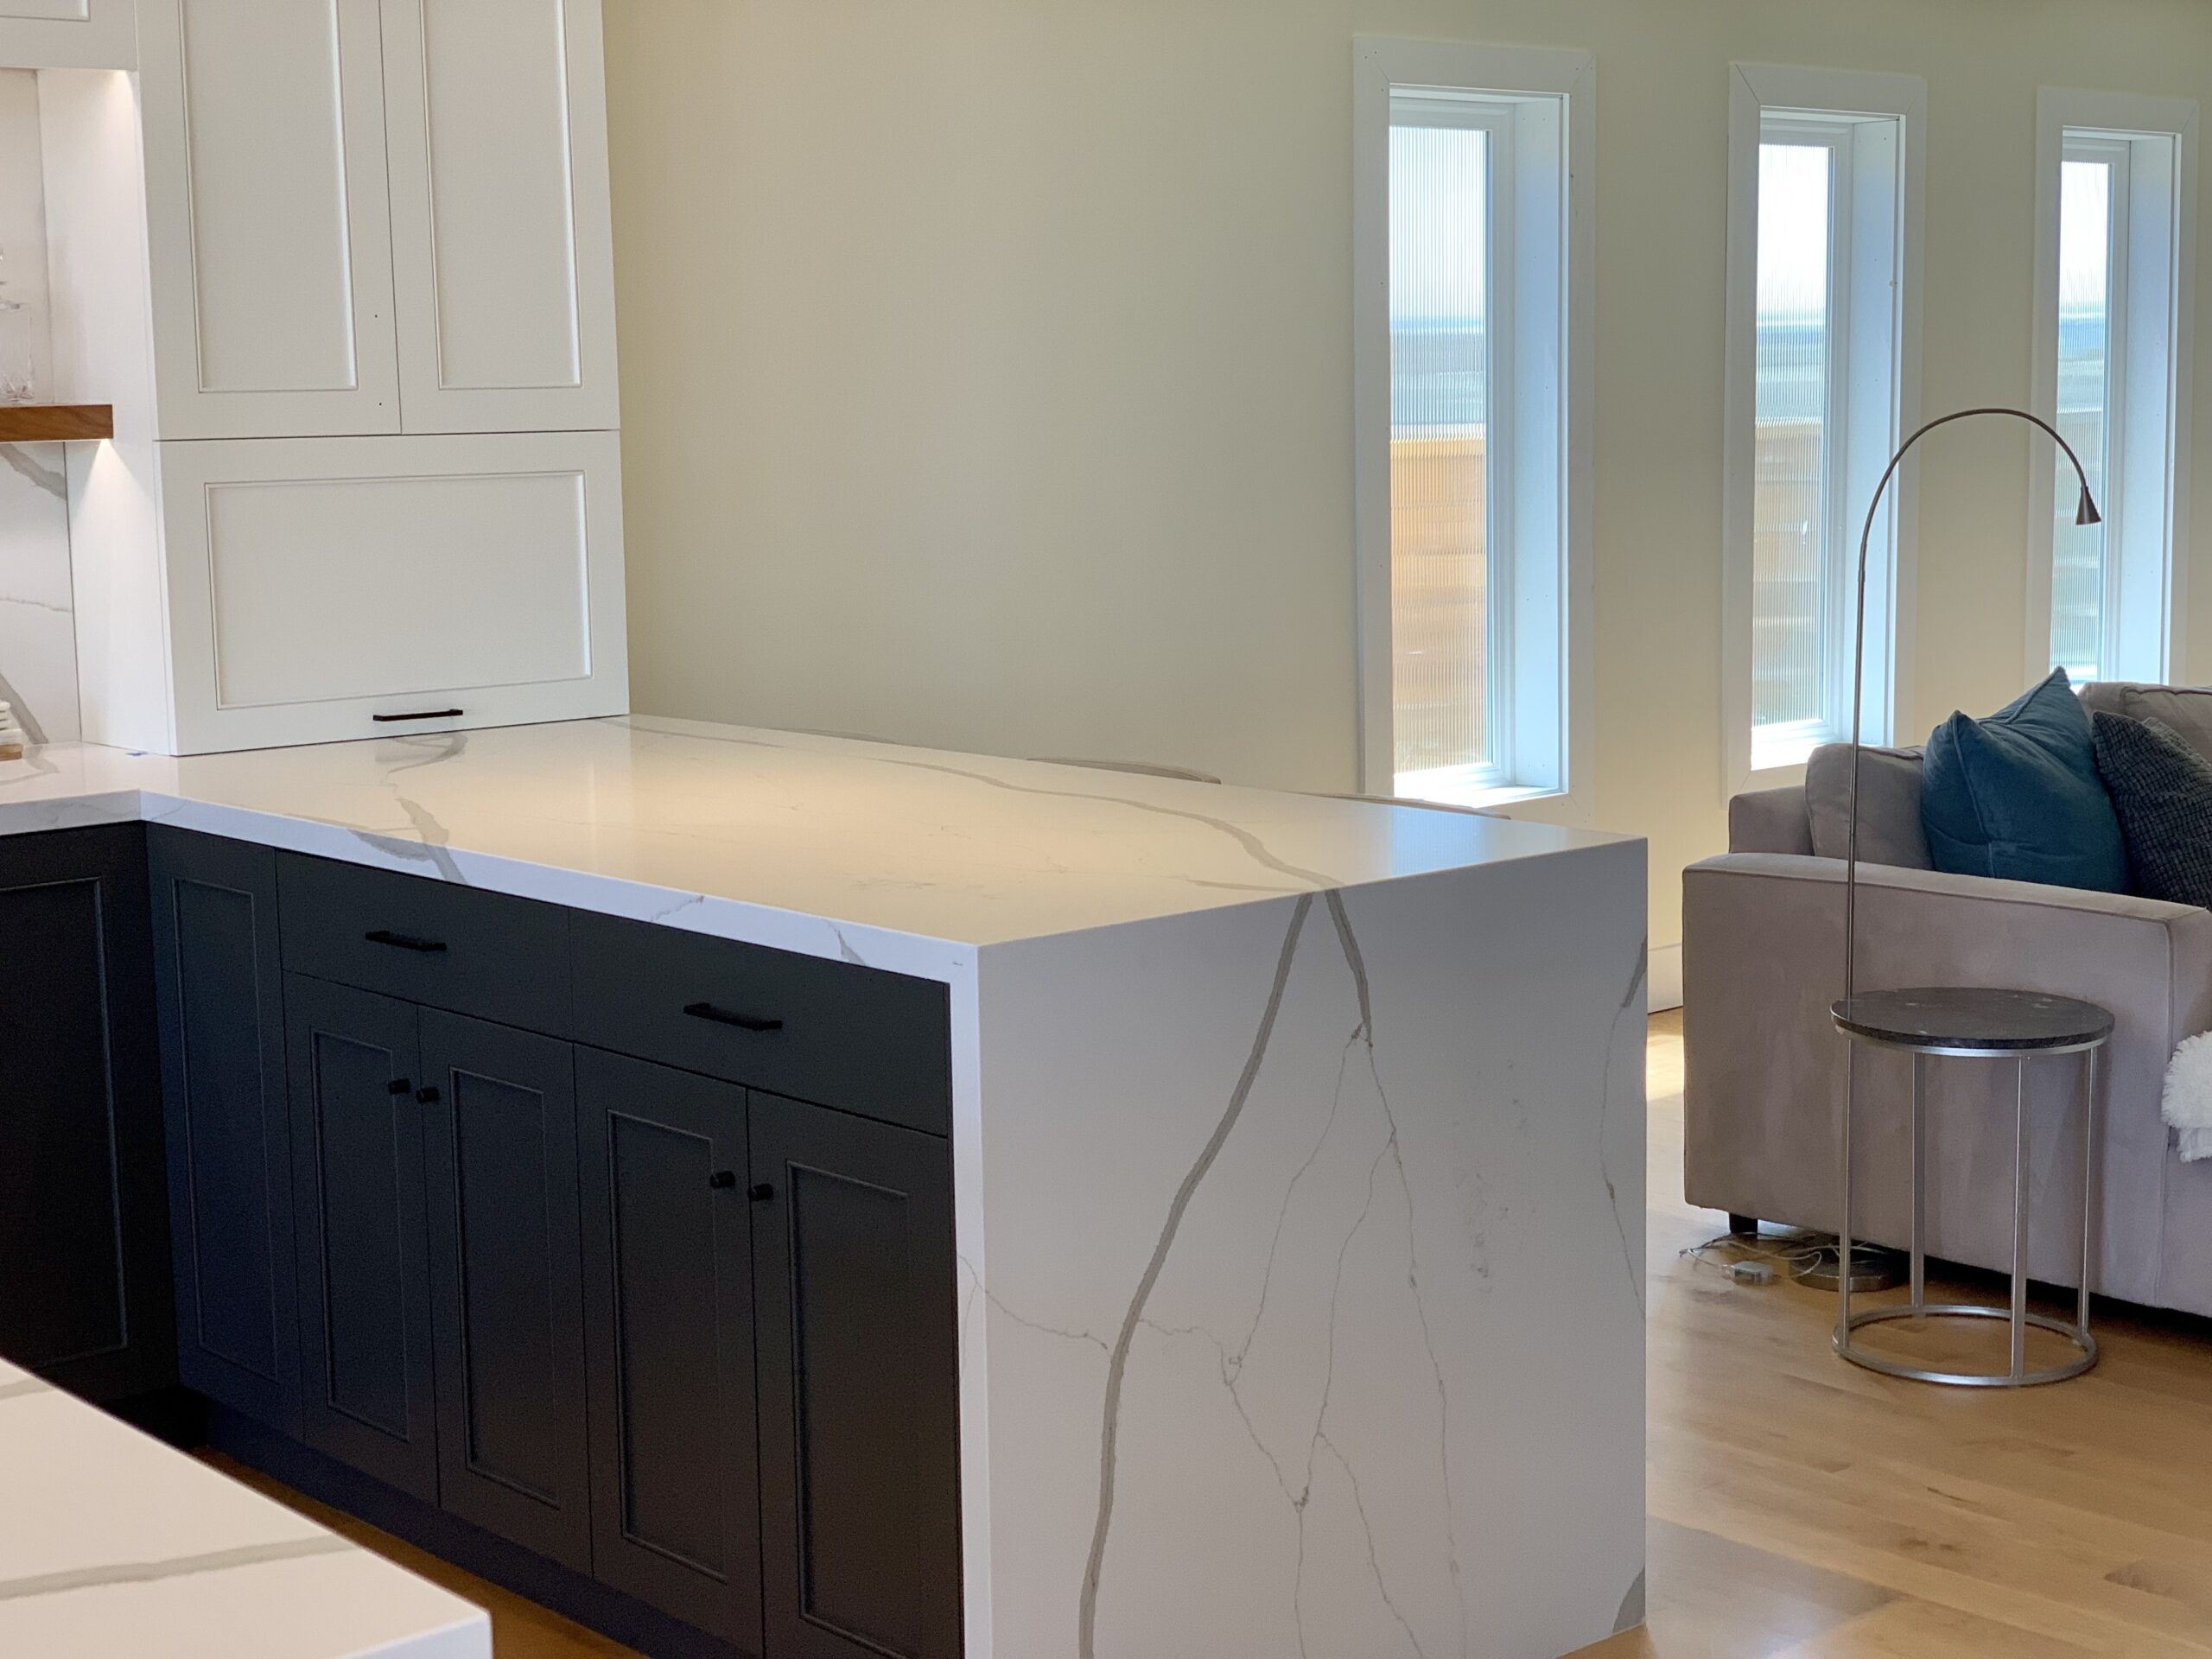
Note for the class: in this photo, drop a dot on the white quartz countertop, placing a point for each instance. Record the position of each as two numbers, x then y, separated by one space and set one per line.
113 1544
906 859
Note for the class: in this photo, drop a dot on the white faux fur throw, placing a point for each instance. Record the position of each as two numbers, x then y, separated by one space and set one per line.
2188 1098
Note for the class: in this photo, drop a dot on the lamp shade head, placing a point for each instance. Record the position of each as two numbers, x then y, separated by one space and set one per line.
2087 513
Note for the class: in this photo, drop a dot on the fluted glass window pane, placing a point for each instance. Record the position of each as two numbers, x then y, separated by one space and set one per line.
1441 570
2078 575
1791 588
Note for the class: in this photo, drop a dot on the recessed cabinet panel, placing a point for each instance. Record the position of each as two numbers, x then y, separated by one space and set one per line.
269 216
365 1322
497 133
669 1319
222 1022
68 34
852 1255
321 585
506 1283
83 1290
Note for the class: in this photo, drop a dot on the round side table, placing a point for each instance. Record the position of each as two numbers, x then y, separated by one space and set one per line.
1965 1023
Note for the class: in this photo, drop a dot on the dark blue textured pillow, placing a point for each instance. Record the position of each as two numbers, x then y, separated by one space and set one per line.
2017 796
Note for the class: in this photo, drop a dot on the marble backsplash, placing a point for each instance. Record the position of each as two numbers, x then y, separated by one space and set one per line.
38 639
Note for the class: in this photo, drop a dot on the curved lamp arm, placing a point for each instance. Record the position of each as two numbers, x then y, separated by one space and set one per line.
2085 513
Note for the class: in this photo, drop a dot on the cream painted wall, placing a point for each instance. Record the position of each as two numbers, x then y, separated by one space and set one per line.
986 363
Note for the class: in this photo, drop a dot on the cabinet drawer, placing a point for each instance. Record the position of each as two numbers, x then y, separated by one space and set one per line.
424 941
326 588
847 1036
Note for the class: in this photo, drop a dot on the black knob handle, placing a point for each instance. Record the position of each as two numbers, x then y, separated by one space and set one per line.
404 941
400 1085
428 1095
722 1178
725 1017
761 1192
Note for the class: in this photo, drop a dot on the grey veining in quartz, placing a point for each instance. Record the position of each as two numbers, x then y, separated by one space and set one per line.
906 859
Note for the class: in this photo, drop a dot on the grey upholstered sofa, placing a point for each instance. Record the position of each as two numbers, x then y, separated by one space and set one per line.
1763 959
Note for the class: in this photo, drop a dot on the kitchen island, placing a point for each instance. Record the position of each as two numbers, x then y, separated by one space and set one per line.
1293 1296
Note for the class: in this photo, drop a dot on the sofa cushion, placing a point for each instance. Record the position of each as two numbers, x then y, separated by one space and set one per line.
1888 805
2187 710
2017 796
2161 790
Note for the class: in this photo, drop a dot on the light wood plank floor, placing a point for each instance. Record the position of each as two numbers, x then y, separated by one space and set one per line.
1803 1508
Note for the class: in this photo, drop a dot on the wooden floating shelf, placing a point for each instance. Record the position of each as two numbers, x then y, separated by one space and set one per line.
56 422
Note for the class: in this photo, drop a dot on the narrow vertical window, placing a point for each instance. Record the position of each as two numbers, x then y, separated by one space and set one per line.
1821 286
2112 331
1792 589
2087 397
1446 644
1467 343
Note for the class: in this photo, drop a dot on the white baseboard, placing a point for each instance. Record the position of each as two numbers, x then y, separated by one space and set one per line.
1665 989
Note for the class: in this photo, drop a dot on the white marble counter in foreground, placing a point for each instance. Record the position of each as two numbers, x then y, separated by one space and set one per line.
1298 1146
112 1544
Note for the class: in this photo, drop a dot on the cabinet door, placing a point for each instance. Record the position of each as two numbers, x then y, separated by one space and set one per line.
502 244
669 1325
859 1378
68 34
507 1290
364 1303
221 997
83 1217
268 217
345 587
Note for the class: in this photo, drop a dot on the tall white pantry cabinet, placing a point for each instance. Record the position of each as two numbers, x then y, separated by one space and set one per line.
344 268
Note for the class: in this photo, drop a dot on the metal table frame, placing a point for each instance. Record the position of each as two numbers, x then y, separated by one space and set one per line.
2017 1374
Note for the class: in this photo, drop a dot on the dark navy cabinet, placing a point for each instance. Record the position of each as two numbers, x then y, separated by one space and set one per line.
84 1294
507 1291
669 1280
219 977
859 1412
617 1259
364 1242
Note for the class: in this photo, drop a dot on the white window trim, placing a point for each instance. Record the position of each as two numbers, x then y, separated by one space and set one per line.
2058 111
1755 89
1380 64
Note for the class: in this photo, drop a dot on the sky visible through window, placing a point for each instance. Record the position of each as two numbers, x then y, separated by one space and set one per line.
2077 574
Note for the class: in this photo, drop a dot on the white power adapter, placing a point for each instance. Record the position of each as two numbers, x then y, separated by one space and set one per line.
1750 1272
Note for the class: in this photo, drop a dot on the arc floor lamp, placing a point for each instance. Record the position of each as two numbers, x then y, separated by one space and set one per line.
1969 1022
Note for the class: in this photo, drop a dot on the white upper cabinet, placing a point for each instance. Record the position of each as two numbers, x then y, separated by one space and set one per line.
371 216
268 219
67 34
495 125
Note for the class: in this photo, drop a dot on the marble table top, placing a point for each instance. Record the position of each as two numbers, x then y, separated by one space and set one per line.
906 859
112 1543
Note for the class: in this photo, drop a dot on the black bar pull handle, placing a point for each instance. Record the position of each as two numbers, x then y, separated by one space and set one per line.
404 941
420 714
725 1017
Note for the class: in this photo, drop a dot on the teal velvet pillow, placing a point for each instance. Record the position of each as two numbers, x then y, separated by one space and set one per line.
2017 796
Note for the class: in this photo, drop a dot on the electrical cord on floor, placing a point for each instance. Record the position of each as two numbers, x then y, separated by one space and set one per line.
1794 1254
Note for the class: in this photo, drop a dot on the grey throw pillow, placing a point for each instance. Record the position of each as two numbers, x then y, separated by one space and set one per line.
1888 805
2161 790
